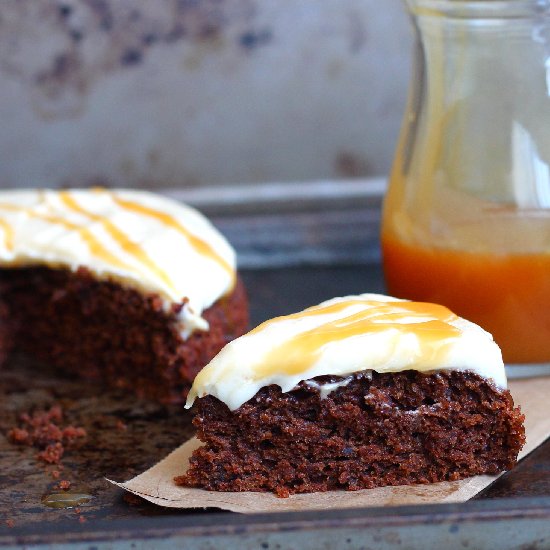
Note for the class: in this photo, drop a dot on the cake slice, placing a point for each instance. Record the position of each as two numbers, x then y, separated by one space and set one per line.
357 392
125 287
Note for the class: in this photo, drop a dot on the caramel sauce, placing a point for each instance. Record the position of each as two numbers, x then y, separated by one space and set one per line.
66 499
120 237
202 247
430 326
8 234
507 294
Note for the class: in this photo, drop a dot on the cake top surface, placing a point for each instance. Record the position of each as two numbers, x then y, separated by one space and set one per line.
139 239
343 336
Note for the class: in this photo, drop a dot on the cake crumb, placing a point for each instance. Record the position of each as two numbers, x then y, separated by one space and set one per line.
81 518
64 485
43 430
52 453
121 426
19 435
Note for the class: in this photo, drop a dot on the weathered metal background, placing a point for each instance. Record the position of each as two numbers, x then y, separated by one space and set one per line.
191 92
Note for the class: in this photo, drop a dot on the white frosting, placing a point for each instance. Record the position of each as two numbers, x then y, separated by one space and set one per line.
326 389
392 339
140 239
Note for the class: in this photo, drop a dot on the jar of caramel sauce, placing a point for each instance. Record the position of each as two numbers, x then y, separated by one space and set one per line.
466 220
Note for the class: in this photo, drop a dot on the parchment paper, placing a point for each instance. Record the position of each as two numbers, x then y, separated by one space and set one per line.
156 484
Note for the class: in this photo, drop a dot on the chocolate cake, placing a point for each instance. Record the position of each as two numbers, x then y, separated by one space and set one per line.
124 287
355 393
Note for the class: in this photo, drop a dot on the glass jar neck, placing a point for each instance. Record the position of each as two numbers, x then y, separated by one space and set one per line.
479 110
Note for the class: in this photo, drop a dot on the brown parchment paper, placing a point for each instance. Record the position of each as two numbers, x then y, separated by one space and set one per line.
156 484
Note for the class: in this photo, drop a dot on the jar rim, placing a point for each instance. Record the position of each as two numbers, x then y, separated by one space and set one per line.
491 9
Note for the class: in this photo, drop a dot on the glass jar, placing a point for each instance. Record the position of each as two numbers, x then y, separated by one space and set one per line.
466 219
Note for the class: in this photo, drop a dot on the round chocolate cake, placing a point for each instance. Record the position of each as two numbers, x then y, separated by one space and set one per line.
124 287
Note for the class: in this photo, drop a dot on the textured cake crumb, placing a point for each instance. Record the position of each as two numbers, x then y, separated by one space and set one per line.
391 429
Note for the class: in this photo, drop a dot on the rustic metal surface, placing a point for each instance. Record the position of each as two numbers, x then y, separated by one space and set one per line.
152 431
503 524
329 222
192 92
530 478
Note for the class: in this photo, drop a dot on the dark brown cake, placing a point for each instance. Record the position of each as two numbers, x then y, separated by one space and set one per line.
5 341
380 429
102 331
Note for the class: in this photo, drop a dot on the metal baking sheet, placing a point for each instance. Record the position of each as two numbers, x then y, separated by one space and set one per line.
152 431
514 512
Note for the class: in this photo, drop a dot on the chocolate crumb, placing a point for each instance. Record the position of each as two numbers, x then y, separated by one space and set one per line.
121 426
64 485
18 435
52 453
42 430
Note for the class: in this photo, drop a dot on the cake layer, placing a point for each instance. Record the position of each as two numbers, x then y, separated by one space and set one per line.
377 429
345 336
104 331
138 239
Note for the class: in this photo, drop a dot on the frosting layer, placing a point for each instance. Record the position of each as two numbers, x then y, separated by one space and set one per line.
347 335
139 239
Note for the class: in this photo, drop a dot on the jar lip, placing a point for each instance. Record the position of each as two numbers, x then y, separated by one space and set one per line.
491 9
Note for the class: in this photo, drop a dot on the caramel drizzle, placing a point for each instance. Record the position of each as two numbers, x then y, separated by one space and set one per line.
202 247
130 247
96 248
299 353
8 233
120 238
